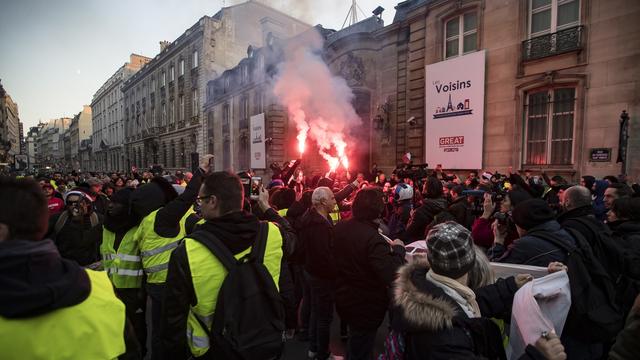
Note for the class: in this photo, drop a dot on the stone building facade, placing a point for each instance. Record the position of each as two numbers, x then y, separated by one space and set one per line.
108 117
31 146
558 75
9 127
50 143
163 101
80 129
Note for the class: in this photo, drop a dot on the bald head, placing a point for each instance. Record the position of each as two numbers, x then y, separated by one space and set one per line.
323 200
575 197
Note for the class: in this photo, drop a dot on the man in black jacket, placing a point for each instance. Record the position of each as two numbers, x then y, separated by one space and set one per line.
77 232
221 200
578 215
316 235
366 266
531 217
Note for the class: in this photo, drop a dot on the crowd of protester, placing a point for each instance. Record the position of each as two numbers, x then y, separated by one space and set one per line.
234 272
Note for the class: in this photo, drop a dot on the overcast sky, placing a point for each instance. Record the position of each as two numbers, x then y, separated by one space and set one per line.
55 54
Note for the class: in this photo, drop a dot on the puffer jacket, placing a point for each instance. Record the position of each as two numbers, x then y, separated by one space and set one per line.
434 326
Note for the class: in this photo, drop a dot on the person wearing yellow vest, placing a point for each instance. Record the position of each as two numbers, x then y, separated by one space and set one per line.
195 275
339 196
50 307
163 215
121 260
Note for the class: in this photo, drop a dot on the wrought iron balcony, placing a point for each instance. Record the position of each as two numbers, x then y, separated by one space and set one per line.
553 44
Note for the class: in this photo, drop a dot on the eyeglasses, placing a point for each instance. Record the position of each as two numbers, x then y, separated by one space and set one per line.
199 199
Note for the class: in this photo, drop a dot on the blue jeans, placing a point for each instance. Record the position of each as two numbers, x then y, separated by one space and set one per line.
322 301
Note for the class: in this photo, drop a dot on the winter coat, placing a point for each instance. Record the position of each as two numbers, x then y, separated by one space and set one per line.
459 208
599 208
237 231
597 235
77 240
366 267
421 218
627 345
532 250
434 326
316 240
35 280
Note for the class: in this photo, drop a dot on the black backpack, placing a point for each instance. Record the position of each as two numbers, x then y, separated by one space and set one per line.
594 315
248 322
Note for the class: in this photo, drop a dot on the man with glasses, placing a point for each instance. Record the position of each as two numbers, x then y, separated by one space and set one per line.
77 232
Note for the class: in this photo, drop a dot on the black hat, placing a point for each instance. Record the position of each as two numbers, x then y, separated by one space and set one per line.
531 213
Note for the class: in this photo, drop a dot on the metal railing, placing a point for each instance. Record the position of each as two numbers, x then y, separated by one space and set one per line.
553 44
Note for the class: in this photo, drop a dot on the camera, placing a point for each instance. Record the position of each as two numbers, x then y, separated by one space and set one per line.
415 172
477 206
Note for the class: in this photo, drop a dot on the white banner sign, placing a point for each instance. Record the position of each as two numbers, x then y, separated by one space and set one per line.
258 152
454 107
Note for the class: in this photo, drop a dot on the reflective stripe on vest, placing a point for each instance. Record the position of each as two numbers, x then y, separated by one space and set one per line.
155 250
97 324
123 266
335 214
207 275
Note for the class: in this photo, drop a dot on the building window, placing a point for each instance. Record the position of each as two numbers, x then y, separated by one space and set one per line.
550 16
183 155
171 111
195 59
549 128
244 112
164 154
244 73
172 73
173 154
461 35
153 84
225 118
258 102
181 108
163 115
164 78
195 110
181 67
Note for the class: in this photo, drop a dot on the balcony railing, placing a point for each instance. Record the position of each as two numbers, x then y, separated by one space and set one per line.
563 41
194 120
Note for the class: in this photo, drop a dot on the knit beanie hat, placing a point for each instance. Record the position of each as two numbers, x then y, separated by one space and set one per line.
531 213
450 250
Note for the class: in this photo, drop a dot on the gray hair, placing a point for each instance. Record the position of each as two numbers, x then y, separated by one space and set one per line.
319 194
481 273
577 196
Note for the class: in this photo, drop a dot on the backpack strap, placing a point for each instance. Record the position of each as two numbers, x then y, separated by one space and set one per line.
217 248
260 243
62 219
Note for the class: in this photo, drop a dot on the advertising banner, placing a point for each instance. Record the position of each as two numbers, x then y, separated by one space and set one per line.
257 148
454 105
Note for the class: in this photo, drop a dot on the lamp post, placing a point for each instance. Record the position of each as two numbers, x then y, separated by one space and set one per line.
622 141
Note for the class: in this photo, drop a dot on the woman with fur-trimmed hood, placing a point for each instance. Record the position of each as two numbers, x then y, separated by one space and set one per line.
440 317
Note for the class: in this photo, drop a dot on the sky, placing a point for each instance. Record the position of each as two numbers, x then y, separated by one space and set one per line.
54 55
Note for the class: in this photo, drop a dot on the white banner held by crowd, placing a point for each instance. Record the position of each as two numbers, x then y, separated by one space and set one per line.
454 106
257 148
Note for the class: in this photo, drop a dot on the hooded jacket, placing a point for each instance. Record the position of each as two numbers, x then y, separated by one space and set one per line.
366 267
237 231
532 250
434 326
421 218
35 280
77 240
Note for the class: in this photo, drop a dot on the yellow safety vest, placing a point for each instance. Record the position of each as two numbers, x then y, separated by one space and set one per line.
123 266
335 214
155 250
93 329
207 275
283 212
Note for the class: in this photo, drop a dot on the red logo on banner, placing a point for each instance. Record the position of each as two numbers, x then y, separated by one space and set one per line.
452 141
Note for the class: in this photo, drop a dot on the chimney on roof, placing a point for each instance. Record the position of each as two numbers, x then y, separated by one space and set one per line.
164 44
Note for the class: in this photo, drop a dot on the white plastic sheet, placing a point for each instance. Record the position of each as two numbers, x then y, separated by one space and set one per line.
541 305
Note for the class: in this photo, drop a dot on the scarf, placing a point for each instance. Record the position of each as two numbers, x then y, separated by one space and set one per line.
464 296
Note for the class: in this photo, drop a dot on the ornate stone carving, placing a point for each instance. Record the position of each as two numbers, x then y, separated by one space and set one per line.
352 70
